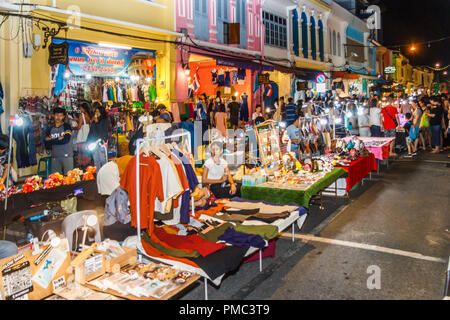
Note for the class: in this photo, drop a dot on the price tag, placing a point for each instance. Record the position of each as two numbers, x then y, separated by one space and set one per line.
93 264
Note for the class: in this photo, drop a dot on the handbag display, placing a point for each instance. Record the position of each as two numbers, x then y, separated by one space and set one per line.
83 132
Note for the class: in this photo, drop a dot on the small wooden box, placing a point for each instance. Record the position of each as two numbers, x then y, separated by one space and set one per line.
88 268
115 264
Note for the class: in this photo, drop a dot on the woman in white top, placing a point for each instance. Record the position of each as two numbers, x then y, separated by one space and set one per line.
257 112
375 118
217 175
364 123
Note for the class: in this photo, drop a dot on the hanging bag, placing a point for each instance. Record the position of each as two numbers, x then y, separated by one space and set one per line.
414 133
424 122
83 132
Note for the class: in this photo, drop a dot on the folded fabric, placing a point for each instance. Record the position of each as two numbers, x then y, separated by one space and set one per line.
206 207
230 217
269 218
214 234
210 211
240 239
242 212
171 252
193 242
263 208
220 262
300 209
267 232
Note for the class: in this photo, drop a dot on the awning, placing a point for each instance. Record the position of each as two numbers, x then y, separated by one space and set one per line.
295 71
244 64
344 75
239 61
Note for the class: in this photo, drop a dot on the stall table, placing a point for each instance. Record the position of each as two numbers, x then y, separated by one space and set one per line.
298 216
167 296
284 196
381 151
358 170
20 203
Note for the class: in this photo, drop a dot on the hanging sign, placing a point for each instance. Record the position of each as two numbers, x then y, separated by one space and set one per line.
321 78
321 87
58 53
390 69
89 58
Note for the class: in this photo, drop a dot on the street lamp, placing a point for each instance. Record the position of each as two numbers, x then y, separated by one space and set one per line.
437 65
94 146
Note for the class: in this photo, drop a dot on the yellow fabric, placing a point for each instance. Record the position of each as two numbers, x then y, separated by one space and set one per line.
122 163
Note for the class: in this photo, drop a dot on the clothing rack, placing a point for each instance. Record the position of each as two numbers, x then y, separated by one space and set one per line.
139 144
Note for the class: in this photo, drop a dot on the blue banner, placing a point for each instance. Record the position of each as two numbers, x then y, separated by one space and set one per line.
89 58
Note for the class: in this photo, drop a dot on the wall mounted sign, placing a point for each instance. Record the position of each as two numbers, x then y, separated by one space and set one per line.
89 58
321 78
390 69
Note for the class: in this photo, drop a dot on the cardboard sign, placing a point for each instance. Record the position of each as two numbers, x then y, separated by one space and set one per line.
263 78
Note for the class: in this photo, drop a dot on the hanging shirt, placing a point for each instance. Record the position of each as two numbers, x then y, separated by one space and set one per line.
150 182
171 186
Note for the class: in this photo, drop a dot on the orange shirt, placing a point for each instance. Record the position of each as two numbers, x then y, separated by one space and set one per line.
150 183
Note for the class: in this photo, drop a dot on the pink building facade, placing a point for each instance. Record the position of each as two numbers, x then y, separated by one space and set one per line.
206 20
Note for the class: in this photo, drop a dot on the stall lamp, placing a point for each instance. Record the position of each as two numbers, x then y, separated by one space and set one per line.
67 75
156 100
92 146
338 120
323 121
117 79
349 114
189 78
187 71
236 93
89 221
282 124
327 110
149 79
18 121
114 46
360 111
267 109
88 77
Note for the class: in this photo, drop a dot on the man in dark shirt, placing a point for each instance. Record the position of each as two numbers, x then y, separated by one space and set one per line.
436 121
235 108
59 139
291 111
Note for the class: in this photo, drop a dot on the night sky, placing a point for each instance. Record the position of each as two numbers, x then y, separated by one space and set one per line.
412 21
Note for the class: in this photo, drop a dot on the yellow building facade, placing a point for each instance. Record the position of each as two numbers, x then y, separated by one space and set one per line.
138 24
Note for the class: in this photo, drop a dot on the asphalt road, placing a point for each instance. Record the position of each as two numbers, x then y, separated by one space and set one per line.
393 236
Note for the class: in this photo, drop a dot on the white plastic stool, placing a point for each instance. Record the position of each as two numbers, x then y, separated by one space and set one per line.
74 221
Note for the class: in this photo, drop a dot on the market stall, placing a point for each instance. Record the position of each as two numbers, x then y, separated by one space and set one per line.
358 170
378 146
287 191
35 194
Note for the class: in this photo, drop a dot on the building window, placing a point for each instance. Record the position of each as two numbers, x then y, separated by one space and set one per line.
275 26
330 44
334 43
339 44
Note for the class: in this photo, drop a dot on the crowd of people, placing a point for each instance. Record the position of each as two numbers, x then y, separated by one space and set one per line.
424 119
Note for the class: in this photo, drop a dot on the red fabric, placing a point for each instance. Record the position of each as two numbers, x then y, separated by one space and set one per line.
269 251
359 169
191 242
153 252
388 123
150 183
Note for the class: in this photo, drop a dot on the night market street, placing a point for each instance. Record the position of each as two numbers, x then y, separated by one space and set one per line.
388 212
